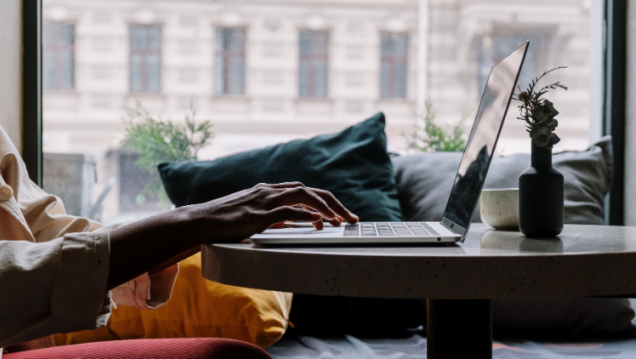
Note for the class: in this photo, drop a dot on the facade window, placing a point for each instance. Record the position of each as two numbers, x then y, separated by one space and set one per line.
58 45
313 47
492 48
393 65
145 58
229 72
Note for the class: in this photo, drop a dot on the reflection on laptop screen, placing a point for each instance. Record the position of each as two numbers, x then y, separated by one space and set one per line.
482 140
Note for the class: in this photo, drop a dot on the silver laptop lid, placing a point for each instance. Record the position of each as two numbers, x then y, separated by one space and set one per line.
482 140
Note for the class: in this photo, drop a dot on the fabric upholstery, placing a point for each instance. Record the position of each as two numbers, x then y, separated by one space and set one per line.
198 308
564 317
352 164
414 346
194 348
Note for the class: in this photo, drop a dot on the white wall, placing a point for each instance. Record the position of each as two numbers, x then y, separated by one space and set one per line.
630 121
11 69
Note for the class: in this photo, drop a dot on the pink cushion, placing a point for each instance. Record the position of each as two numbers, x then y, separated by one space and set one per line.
191 348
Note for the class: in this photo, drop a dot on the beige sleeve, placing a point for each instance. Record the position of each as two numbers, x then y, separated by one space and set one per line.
35 215
53 287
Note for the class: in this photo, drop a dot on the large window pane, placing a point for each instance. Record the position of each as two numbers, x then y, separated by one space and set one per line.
270 72
466 41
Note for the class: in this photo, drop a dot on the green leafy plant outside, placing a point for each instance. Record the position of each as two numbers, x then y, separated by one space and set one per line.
432 137
538 113
158 140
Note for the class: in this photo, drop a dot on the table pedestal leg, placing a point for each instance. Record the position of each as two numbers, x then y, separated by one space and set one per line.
459 329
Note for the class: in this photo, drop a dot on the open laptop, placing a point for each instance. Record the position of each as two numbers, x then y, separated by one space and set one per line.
467 186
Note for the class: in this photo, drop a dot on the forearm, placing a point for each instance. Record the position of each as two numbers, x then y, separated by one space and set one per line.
163 239
176 259
148 244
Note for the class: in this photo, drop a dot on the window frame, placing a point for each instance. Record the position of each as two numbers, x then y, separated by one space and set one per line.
32 89
614 110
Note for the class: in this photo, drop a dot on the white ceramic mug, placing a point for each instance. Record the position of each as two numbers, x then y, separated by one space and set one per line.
499 208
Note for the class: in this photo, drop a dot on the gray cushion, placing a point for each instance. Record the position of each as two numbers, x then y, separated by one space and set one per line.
424 182
562 317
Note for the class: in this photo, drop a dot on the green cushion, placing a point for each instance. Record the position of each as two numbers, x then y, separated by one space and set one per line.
353 165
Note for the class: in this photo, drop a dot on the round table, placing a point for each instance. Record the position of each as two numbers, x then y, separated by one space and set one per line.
458 280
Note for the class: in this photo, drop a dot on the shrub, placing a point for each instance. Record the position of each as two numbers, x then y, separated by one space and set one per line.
431 137
159 140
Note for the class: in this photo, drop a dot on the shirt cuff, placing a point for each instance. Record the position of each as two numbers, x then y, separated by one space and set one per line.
79 300
147 291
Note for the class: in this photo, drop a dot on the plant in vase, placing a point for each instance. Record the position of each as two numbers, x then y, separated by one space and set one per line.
541 186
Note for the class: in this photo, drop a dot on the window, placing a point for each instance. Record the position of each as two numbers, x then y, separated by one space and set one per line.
393 65
313 48
229 69
299 55
145 58
492 48
58 45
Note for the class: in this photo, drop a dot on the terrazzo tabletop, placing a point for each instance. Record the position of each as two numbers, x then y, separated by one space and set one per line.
585 260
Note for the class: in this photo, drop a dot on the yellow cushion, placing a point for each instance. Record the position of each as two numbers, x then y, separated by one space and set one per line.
198 308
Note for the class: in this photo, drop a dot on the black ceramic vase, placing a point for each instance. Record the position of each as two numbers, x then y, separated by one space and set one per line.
541 196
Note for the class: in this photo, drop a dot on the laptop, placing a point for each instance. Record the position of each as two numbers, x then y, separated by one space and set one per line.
469 180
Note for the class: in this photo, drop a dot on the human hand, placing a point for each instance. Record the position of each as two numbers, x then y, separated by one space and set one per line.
240 215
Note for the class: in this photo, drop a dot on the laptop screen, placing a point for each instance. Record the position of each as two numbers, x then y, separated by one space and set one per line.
482 140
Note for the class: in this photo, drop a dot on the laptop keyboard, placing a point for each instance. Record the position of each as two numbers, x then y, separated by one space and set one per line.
392 229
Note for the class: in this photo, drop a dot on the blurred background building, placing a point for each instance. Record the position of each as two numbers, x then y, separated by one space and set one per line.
271 71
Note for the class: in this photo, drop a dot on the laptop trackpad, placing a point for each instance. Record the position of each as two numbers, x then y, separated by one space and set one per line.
296 232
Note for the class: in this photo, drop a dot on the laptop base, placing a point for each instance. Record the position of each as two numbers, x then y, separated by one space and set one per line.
360 233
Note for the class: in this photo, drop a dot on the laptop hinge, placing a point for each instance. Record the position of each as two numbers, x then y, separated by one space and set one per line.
453 227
